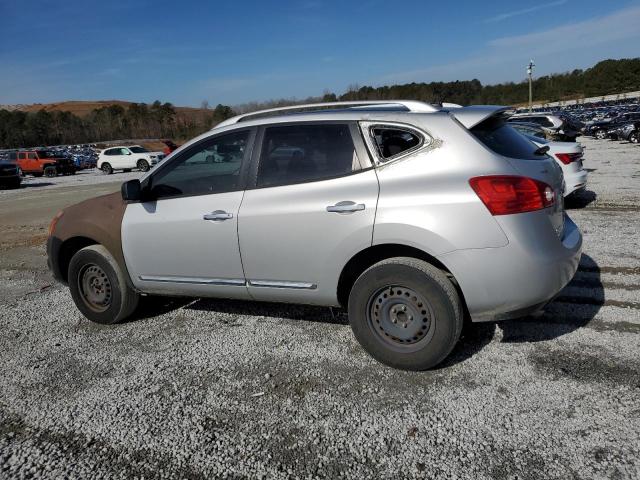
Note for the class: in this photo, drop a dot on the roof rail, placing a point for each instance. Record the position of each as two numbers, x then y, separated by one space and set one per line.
410 105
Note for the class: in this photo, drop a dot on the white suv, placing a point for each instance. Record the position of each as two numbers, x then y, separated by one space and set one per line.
127 158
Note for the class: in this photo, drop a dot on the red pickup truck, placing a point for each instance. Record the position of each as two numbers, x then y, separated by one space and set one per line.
42 162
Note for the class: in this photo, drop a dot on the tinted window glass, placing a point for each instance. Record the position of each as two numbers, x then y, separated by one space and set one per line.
304 153
501 138
13 156
32 156
138 149
394 141
123 151
545 122
112 151
211 167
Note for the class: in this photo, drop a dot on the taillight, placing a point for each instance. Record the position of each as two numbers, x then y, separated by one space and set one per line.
567 158
508 194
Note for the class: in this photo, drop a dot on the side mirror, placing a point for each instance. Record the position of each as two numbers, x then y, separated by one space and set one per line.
131 191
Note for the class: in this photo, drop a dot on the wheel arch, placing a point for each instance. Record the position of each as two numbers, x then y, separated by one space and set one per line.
68 249
376 253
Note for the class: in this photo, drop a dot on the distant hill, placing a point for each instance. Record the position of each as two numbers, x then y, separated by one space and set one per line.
82 108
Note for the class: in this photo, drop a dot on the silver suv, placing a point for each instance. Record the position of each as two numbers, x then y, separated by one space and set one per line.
410 216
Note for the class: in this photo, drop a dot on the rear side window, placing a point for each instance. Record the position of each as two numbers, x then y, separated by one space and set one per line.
392 142
112 151
306 153
504 140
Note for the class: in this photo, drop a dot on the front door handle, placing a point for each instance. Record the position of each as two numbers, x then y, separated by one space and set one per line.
217 215
345 207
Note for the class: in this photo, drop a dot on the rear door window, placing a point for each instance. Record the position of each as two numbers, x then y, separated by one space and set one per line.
503 139
306 153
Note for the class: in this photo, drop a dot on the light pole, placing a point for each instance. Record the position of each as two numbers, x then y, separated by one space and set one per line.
530 73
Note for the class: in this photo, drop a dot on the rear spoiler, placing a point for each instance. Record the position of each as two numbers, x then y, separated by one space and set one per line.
475 114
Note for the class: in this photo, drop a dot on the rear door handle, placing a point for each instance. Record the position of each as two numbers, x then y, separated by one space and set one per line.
346 207
217 215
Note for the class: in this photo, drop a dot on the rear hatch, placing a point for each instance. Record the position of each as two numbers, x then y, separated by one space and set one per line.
525 157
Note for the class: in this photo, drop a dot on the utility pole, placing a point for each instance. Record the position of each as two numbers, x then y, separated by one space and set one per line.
530 73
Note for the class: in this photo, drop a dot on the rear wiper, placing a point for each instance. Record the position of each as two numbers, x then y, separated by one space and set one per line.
542 150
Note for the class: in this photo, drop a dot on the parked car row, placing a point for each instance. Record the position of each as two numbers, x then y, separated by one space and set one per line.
68 159
602 120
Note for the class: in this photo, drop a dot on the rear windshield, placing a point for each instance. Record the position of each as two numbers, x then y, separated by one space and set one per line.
504 140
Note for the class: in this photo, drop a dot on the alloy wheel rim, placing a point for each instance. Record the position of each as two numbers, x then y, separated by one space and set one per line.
400 317
95 288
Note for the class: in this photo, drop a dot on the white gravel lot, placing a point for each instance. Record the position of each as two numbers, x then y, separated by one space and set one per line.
208 389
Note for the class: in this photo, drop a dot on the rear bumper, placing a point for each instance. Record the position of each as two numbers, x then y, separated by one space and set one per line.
575 181
515 280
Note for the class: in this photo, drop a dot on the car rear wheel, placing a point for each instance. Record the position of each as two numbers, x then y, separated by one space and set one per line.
143 165
50 172
106 168
601 134
98 286
405 313
634 137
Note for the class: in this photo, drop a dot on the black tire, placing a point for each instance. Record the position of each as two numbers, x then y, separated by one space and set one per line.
106 168
143 165
427 334
600 135
98 286
634 137
50 172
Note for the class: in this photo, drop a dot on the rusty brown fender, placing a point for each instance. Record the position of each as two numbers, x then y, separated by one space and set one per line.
97 220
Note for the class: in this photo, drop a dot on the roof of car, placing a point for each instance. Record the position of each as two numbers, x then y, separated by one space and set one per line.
382 110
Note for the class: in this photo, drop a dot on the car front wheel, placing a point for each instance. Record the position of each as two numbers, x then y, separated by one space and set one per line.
634 137
98 286
405 313
143 165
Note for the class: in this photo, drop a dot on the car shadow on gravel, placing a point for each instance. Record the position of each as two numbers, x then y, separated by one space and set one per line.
580 200
35 184
568 312
564 315
285 311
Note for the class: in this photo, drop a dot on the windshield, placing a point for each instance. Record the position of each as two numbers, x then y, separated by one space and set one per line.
138 149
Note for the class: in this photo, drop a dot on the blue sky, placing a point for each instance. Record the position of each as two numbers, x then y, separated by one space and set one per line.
232 52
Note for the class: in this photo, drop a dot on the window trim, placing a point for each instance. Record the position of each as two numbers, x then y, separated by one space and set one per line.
361 151
147 183
367 127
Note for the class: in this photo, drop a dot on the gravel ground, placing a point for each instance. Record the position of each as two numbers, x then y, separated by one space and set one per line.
204 388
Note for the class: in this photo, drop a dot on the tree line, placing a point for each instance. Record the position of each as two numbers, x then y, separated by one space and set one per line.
137 120
605 78
161 120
